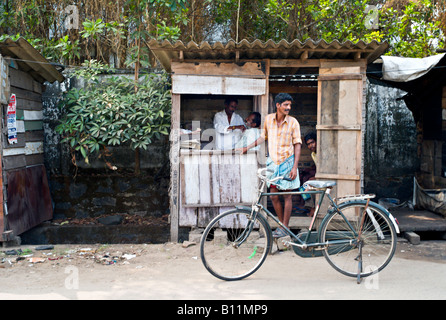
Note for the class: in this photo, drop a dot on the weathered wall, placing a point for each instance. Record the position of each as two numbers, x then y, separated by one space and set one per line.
92 190
390 153
390 161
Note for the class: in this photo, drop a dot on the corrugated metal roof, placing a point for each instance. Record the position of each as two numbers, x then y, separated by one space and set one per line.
30 60
165 51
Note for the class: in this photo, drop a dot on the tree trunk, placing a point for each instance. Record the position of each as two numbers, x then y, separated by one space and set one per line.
137 162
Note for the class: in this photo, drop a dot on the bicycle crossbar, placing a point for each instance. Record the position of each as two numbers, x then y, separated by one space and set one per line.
323 244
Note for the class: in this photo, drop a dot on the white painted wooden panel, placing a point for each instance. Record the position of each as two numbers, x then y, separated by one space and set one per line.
29 149
190 84
33 148
205 178
191 180
229 178
13 152
20 126
229 221
188 217
215 178
32 115
248 180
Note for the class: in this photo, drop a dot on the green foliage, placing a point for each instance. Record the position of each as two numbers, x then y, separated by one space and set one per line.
105 29
412 28
120 28
112 110
414 32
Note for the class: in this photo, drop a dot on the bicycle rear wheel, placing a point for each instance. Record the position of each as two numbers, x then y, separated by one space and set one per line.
367 240
233 247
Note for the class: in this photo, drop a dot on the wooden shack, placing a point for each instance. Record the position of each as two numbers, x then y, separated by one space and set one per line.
327 83
424 81
25 199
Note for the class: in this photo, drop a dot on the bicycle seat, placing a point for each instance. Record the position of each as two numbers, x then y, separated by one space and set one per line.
317 184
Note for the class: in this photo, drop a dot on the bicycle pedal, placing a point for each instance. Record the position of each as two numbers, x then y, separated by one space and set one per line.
286 243
283 242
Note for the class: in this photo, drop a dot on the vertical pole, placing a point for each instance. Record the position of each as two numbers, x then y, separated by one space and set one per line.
174 190
2 221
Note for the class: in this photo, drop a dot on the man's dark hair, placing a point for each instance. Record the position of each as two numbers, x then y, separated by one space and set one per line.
257 118
229 100
310 135
282 97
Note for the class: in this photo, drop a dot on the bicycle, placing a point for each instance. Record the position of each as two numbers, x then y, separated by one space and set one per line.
357 236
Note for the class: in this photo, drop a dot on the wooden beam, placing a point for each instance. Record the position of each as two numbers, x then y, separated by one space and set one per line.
321 175
274 88
294 63
2 222
354 127
174 191
252 69
346 76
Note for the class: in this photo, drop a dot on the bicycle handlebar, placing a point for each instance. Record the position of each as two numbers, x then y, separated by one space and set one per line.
261 175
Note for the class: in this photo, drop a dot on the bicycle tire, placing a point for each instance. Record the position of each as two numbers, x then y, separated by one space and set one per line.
375 246
221 251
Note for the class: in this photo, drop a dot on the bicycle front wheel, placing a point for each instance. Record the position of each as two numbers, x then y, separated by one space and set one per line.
233 247
363 239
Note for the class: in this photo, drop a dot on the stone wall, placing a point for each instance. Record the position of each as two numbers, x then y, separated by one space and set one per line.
90 190
94 194
390 151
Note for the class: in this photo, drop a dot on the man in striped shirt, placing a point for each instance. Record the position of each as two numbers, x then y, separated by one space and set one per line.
282 132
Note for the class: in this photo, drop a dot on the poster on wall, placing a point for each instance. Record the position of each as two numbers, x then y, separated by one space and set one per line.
4 80
12 120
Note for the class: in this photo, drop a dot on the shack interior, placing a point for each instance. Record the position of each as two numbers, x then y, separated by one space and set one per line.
326 81
426 99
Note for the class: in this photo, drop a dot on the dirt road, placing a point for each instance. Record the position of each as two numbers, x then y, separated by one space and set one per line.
170 271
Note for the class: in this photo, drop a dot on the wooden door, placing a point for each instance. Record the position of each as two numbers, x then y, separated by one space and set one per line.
339 127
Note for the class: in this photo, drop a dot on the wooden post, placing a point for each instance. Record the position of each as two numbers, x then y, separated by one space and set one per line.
2 222
339 126
174 190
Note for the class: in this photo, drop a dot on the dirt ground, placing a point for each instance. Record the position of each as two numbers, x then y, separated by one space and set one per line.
39 273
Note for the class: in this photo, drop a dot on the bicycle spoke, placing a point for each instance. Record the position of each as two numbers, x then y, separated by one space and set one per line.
372 232
233 247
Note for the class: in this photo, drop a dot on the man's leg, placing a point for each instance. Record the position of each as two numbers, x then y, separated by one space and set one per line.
277 204
287 209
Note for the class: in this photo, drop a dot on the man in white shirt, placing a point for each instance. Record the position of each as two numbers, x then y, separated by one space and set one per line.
228 125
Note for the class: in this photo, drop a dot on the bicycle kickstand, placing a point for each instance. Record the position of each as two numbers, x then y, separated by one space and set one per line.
359 259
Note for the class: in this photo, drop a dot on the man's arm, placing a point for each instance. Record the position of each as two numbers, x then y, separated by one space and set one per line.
220 125
293 173
259 141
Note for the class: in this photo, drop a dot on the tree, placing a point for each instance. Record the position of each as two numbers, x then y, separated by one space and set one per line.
412 28
108 112
115 32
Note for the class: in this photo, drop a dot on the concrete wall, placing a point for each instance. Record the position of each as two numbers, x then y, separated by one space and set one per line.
92 190
390 153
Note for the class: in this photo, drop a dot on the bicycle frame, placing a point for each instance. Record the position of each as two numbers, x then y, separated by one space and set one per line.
353 223
304 244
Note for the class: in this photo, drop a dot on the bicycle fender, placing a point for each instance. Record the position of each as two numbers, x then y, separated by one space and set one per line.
371 203
243 208
392 218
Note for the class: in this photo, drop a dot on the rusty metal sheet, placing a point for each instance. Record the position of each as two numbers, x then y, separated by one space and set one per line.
29 199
